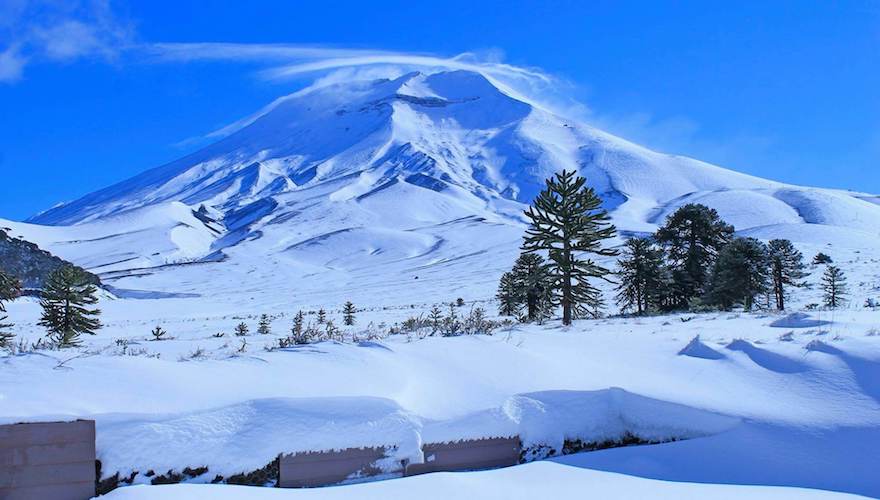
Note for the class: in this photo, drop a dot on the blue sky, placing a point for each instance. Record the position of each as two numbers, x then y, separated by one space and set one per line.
92 93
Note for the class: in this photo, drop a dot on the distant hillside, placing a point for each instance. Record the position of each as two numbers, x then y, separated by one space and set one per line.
28 262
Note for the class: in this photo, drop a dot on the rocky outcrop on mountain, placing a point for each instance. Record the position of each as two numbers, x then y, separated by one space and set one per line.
28 262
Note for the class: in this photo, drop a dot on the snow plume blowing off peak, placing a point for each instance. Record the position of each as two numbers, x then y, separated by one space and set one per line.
426 169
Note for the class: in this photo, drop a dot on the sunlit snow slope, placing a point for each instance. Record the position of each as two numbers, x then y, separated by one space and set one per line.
419 180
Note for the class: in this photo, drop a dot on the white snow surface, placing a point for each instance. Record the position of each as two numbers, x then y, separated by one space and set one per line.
422 177
398 195
525 482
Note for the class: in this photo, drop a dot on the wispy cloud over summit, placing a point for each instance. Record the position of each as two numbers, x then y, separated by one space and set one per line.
34 30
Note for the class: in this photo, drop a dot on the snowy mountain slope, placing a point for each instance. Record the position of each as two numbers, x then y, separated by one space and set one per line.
400 178
154 235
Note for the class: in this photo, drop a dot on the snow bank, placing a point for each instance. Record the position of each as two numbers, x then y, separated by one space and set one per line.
798 320
530 481
550 418
247 436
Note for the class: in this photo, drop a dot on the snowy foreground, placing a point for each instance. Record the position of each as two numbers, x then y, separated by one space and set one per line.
529 481
759 399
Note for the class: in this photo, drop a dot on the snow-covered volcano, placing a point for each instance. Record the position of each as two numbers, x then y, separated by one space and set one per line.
362 184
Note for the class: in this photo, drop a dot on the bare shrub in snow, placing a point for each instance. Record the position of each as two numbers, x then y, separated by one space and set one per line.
158 333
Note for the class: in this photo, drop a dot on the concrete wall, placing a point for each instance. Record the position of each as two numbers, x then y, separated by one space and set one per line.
312 469
470 454
52 460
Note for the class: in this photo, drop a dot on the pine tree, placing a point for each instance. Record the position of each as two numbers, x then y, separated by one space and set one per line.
533 283
834 286
297 329
10 288
567 221
66 296
741 273
642 276
348 311
435 317
508 298
786 268
322 316
692 236
264 327
241 329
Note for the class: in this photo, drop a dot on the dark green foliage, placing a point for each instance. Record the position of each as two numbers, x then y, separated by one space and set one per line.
567 221
741 273
158 333
322 316
348 311
451 323
10 288
786 268
533 282
508 298
300 334
833 286
821 258
31 265
693 237
435 317
264 327
66 296
298 320
241 329
643 277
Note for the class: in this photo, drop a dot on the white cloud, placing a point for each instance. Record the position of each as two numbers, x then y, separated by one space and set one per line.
326 65
69 40
183 52
35 30
11 65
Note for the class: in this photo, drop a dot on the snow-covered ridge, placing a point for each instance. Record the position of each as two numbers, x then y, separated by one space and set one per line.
408 177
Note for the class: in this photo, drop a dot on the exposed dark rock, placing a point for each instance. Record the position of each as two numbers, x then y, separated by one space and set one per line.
30 264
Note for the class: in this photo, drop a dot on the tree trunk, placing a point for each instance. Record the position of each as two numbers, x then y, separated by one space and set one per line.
532 301
777 289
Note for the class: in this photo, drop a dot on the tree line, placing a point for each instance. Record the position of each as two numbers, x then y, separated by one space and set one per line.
692 261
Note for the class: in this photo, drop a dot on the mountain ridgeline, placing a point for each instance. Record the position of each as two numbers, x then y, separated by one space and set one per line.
424 175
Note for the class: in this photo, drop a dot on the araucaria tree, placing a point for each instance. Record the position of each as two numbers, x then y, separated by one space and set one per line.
158 333
507 296
348 311
241 329
67 295
642 276
740 274
692 236
265 325
786 269
10 288
834 286
821 258
533 282
567 221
